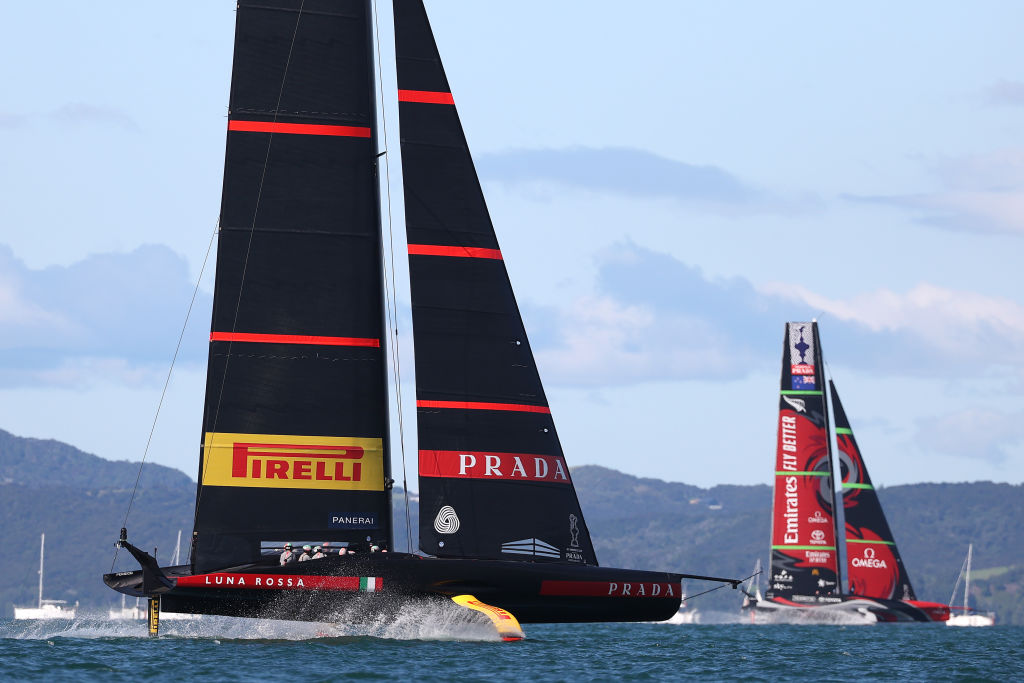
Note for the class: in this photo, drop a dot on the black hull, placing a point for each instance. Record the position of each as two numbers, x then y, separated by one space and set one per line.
884 611
534 592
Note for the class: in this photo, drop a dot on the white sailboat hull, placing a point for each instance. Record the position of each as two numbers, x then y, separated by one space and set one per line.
971 620
44 612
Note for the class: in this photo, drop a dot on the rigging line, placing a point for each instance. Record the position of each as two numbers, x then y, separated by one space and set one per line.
392 303
152 429
712 590
248 250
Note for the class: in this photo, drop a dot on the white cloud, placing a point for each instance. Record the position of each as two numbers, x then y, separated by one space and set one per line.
625 171
603 341
656 318
1009 93
964 325
973 434
981 193
109 316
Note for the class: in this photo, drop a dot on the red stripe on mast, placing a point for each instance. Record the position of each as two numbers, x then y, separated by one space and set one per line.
463 252
294 339
425 97
475 405
298 128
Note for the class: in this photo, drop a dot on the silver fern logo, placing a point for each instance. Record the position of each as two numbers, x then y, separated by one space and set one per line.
797 404
446 522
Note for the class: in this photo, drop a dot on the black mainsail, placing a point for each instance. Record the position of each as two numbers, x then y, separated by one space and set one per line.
493 479
295 429
295 425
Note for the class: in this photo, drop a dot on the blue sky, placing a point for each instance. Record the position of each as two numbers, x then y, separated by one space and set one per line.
669 184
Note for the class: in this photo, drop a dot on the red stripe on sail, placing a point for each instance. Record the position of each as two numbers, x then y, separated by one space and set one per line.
425 96
505 466
293 339
474 405
464 252
298 128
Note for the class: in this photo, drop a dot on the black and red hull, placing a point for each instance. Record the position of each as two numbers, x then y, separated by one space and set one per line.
882 611
372 585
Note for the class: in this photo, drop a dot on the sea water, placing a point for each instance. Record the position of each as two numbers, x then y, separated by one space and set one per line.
447 644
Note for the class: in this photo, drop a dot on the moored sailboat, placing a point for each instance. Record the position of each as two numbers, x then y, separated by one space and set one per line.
804 579
295 443
45 609
963 615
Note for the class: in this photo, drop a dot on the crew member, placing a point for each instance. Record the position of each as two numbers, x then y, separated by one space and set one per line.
287 557
305 556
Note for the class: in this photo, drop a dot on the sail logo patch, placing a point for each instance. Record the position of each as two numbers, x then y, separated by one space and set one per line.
531 546
343 521
803 382
797 404
869 560
293 462
503 466
574 553
818 518
446 521
801 352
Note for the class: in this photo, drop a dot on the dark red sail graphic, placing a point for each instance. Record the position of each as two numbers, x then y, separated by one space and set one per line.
493 480
804 557
295 433
873 562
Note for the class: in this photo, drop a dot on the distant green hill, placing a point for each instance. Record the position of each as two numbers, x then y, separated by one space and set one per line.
79 501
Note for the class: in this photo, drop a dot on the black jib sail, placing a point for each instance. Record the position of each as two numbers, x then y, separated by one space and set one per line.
873 563
295 440
493 479
804 558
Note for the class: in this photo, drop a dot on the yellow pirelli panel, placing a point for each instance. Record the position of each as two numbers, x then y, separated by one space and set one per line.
283 461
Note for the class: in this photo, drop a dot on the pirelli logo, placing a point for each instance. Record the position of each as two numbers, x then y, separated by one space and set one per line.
293 462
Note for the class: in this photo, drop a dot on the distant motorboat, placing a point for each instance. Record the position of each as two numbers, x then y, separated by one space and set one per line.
963 615
45 609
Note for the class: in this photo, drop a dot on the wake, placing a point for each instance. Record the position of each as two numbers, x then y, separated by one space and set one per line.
416 620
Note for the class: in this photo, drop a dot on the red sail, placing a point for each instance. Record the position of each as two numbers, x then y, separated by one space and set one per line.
804 557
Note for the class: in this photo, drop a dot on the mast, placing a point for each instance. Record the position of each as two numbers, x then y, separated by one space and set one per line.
42 544
967 579
494 482
371 54
177 550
